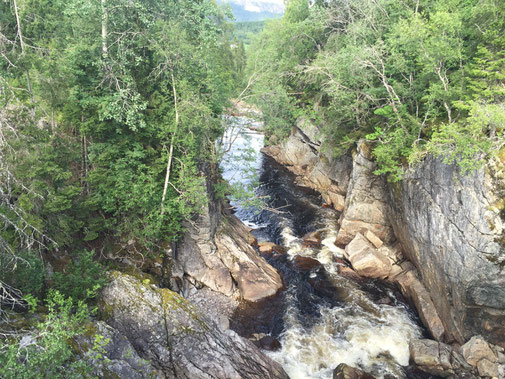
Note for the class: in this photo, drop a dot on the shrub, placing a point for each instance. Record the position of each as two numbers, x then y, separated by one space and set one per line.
47 353
83 277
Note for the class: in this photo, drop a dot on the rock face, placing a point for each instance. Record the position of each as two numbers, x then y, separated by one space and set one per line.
301 153
216 251
176 337
366 202
121 359
452 228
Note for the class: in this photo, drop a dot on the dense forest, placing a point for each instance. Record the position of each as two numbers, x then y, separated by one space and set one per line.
413 77
246 30
111 111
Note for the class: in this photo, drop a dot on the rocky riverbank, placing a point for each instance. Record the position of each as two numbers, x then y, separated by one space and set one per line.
437 234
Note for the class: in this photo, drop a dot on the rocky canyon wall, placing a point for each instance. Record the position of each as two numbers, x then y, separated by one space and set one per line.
452 228
443 231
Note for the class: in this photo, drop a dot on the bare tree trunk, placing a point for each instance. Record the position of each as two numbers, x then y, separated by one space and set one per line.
172 141
105 16
22 44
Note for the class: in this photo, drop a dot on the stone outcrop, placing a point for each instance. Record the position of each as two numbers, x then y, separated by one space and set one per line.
216 252
451 228
301 153
255 278
365 204
115 357
178 339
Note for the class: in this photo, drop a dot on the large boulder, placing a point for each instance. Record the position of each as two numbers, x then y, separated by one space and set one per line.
366 259
216 251
177 337
476 349
437 358
451 227
256 279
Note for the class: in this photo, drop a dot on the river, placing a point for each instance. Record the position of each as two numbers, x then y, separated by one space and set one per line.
322 318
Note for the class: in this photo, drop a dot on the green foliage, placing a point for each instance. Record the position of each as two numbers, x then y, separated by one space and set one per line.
245 31
86 140
82 278
413 77
47 352
27 275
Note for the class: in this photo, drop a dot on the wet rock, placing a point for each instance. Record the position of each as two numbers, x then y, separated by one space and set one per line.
306 263
312 239
177 337
365 259
344 371
451 227
476 349
270 247
349 273
414 289
269 343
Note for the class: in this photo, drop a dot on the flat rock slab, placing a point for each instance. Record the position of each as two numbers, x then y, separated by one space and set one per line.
177 337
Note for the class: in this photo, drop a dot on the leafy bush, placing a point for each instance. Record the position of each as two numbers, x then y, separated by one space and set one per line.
82 278
47 353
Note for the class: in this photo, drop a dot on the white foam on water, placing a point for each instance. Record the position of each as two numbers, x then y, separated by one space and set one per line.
346 335
360 333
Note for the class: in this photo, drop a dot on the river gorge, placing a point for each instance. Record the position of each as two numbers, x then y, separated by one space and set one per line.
324 318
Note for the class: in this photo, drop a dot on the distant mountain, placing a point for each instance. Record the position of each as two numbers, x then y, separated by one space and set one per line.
255 10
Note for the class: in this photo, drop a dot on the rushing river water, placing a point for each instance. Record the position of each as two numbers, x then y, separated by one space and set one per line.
321 319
